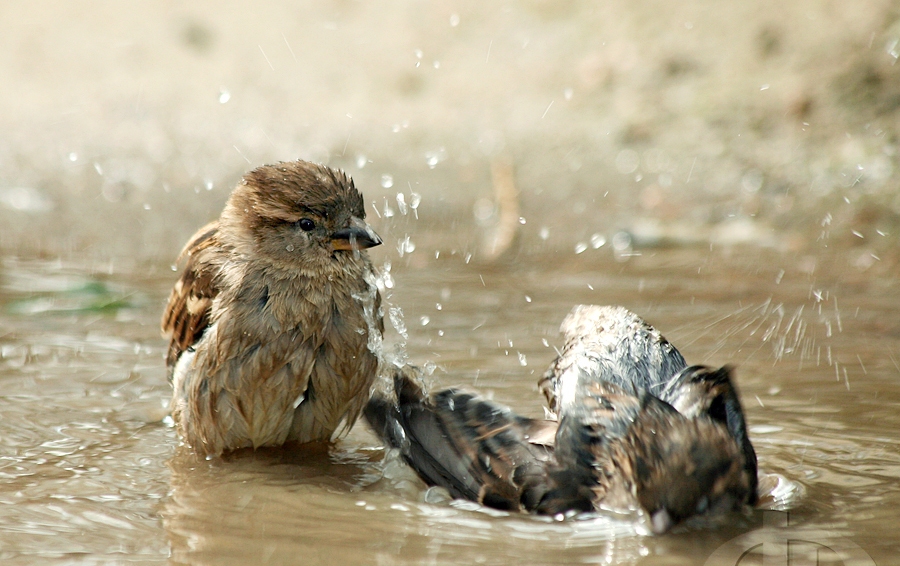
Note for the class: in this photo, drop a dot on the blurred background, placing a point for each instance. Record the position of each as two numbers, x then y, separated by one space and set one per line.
776 123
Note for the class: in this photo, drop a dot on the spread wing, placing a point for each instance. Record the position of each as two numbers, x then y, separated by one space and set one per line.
187 314
475 448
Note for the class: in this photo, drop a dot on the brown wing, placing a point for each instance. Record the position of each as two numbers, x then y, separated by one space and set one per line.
187 313
476 449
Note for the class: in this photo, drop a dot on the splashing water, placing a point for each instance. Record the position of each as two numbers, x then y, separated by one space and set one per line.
375 342
395 314
401 204
405 246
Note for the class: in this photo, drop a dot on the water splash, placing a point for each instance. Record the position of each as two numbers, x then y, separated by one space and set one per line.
388 211
414 200
395 315
405 246
401 204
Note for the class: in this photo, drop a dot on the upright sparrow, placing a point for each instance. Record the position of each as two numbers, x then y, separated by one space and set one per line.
275 325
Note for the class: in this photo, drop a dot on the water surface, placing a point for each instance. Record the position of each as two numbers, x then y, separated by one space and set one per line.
93 474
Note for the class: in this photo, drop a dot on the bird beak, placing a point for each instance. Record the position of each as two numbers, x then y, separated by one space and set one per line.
358 235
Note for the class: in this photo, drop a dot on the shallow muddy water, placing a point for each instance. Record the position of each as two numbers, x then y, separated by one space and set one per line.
91 473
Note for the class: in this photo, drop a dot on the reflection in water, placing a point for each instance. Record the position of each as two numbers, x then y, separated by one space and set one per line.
336 507
89 470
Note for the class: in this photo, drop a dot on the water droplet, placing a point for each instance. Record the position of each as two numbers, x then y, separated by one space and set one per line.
432 158
414 200
437 64
752 181
418 53
361 161
580 247
98 169
438 306
521 220
627 161
209 184
387 181
527 299
621 243
395 315
289 247
73 157
568 93
598 241
544 233
405 246
454 20
224 96
483 209
545 343
25 199
523 361
401 204
424 320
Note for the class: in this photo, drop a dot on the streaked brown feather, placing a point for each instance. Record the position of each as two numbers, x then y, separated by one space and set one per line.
187 313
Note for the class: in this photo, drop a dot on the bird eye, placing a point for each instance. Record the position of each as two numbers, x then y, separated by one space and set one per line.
306 224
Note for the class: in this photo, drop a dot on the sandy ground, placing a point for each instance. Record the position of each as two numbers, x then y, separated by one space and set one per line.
125 125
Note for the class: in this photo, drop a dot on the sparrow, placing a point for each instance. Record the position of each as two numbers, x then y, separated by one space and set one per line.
275 325
631 427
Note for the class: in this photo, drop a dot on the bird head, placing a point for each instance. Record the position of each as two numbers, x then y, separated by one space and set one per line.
299 214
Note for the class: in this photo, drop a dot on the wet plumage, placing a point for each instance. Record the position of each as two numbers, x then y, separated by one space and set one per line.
275 322
633 428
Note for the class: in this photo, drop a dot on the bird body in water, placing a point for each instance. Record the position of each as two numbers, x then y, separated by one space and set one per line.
275 324
631 427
